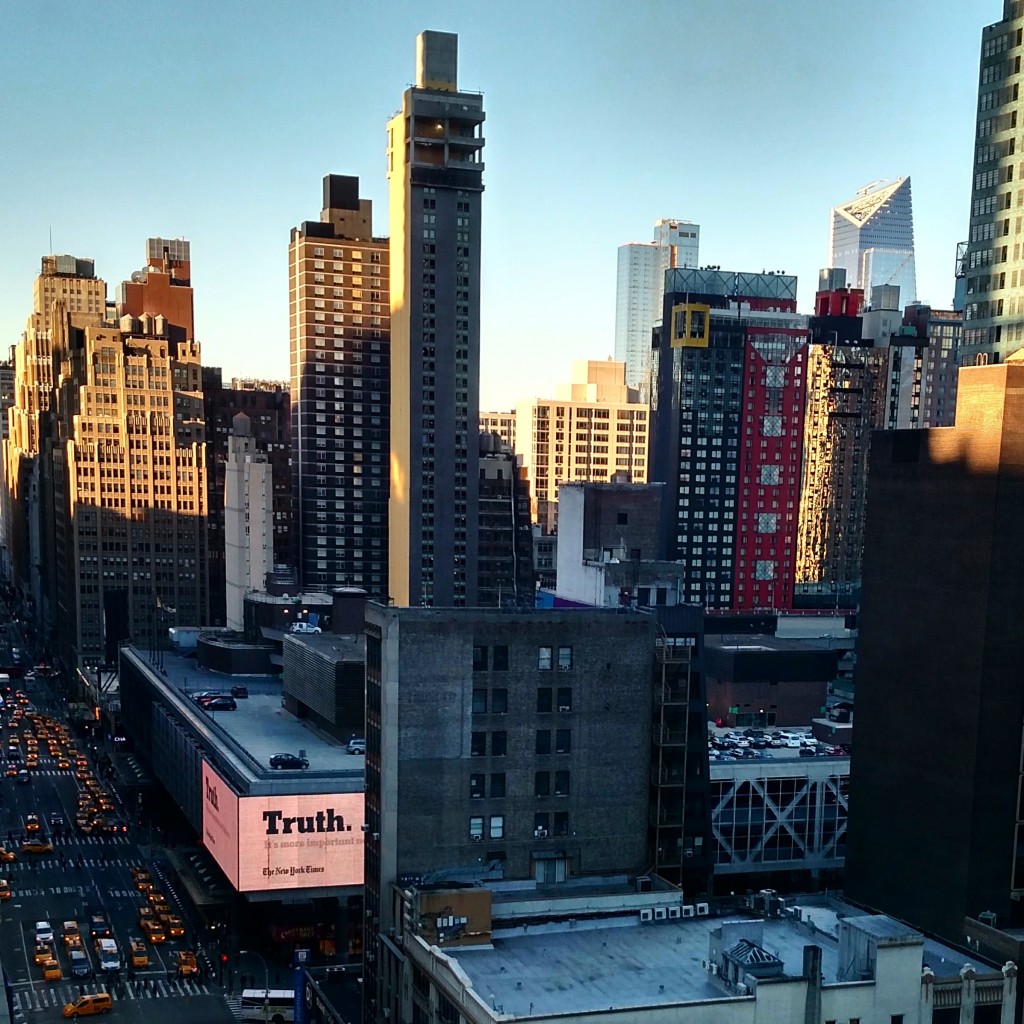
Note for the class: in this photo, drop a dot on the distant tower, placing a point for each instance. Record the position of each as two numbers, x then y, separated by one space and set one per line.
872 237
435 174
987 269
639 287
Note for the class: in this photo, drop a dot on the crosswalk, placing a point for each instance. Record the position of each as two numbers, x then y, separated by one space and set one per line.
77 840
46 996
235 1006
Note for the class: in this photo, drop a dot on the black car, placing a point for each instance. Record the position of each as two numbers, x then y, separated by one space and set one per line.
56 820
115 827
219 704
288 761
240 691
808 752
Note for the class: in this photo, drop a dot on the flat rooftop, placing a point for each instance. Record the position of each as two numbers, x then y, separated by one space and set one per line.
260 726
582 969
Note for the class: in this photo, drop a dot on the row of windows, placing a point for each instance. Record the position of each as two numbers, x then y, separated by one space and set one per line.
495 701
544 824
495 743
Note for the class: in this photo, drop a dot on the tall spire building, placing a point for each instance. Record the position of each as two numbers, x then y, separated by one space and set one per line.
994 284
435 175
872 238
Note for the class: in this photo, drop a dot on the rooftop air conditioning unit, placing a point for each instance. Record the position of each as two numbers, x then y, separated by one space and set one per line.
741 989
714 970
660 913
705 965
540 833
674 913
646 916
564 708
689 910
703 909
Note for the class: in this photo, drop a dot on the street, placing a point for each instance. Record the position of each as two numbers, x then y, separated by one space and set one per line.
84 875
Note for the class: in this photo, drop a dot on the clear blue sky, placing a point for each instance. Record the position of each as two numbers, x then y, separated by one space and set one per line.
217 121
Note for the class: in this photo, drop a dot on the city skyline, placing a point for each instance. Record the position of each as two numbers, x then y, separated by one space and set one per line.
227 171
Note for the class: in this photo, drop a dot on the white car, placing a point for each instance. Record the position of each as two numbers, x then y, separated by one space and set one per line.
304 627
356 745
44 931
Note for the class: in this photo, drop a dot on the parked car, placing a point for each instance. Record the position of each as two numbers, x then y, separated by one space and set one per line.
759 743
304 627
288 761
240 691
808 752
220 704
357 745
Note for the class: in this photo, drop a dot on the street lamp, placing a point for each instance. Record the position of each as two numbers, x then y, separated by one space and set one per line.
266 979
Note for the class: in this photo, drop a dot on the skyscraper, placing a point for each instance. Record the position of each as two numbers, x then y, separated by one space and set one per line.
993 299
727 434
339 325
127 465
936 827
872 237
435 175
639 287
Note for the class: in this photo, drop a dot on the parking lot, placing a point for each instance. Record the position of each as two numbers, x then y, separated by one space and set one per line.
753 744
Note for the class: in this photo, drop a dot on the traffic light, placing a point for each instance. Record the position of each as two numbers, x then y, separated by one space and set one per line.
223 958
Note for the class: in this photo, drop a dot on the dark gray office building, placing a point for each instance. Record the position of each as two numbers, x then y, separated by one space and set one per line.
936 827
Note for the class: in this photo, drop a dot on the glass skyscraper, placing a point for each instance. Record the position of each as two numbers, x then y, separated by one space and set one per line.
872 238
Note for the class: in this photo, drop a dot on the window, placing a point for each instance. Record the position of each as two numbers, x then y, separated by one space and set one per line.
479 702
499 658
499 701
497 826
497 785
543 741
499 743
561 783
479 659
563 741
478 744
542 784
541 823
564 658
476 827
561 823
896 1018
476 787
565 698
622 519
544 699
544 658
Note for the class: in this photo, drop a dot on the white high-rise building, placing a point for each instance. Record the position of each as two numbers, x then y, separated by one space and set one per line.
640 286
248 518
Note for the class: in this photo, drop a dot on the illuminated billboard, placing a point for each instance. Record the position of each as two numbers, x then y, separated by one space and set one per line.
293 841
220 823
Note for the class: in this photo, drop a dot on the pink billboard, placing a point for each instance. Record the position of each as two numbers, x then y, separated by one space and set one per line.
296 841
220 823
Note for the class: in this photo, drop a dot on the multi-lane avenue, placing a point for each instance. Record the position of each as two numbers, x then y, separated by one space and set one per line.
83 867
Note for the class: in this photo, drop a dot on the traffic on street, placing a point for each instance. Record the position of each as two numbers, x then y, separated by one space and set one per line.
85 911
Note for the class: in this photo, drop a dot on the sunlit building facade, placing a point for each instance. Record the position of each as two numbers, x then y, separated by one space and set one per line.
594 429
993 263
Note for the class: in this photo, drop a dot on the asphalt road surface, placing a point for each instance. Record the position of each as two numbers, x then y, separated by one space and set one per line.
53 887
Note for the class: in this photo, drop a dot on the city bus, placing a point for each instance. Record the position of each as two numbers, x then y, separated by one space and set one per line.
269 1006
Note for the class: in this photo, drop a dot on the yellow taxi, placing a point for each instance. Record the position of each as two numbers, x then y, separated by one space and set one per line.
186 963
6 856
154 931
11 770
32 823
174 925
51 970
143 879
42 953
5 889
37 846
72 934
139 956
63 763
